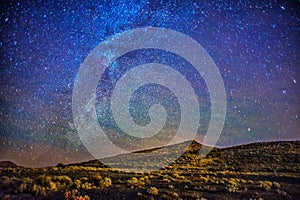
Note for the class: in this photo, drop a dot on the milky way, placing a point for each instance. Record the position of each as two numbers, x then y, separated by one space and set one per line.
254 45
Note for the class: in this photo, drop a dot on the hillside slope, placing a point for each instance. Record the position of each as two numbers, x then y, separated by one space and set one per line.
268 170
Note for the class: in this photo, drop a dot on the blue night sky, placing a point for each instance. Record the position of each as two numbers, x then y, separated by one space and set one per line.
255 46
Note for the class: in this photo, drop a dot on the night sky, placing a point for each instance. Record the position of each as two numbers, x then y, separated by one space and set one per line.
255 46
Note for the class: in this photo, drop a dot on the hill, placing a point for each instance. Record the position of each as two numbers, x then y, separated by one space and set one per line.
7 164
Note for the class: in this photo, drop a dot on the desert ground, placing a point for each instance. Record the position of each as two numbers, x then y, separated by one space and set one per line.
265 170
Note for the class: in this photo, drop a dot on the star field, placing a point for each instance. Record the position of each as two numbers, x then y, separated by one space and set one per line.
255 46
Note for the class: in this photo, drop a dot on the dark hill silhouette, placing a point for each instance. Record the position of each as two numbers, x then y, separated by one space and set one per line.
5 164
254 156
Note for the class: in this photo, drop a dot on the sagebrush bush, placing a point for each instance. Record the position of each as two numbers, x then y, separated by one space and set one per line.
75 195
134 182
106 182
266 185
233 185
153 191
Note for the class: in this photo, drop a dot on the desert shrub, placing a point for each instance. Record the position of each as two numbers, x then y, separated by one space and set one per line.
139 194
86 186
14 184
25 185
166 179
86 197
17 185
38 190
44 180
77 183
90 168
142 181
105 183
5 182
134 182
276 185
95 182
153 191
84 179
233 185
75 195
52 186
63 181
54 168
146 179
203 179
96 179
54 183
68 195
266 185
178 176
175 194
